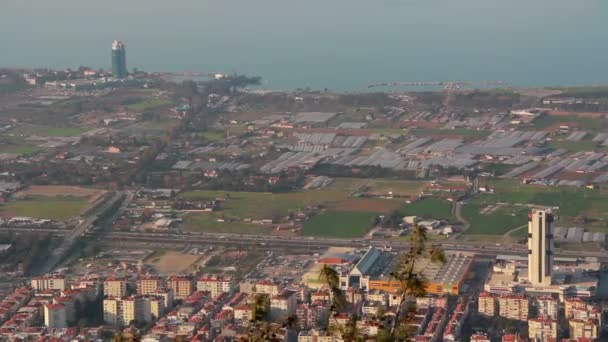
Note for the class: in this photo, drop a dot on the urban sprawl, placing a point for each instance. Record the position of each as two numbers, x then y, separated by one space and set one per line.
153 206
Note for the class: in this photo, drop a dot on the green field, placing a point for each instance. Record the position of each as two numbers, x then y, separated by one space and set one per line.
263 205
472 133
20 149
48 131
58 208
148 104
429 208
575 146
583 123
379 187
495 223
339 224
214 135
569 204
207 222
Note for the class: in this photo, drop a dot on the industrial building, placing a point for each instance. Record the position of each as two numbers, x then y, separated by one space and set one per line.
373 270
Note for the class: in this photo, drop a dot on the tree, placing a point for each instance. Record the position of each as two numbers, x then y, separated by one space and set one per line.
412 283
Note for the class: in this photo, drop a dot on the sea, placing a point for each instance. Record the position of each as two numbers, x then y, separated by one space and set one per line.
341 45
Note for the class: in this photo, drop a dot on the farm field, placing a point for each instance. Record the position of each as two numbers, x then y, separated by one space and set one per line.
571 201
20 149
200 222
493 220
262 205
381 206
429 208
339 224
58 208
148 104
379 187
48 131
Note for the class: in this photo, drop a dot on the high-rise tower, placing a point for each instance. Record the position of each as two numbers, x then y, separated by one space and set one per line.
540 247
119 59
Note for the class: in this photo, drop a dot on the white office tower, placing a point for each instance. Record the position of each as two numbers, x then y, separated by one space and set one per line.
540 247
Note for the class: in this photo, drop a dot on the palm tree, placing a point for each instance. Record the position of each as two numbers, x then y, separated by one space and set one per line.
412 283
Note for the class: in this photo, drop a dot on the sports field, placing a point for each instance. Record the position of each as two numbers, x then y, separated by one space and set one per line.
339 224
58 208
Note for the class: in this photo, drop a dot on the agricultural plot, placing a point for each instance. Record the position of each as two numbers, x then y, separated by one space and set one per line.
48 131
148 104
260 205
209 223
339 224
429 208
494 220
58 208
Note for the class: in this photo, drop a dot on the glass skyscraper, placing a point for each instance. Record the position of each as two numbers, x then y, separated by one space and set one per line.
119 59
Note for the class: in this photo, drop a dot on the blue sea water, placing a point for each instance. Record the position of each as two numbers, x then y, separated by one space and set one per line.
339 44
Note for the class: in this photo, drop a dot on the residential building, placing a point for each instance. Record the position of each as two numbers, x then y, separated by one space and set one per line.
148 284
115 287
540 247
283 305
542 329
580 329
46 282
54 316
486 304
480 338
182 286
513 306
123 311
267 287
216 284
547 307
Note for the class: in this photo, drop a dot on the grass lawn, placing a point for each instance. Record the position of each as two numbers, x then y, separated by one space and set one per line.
429 208
20 149
48 131
260 205
59 208
472 133
148 104
339 224
201 222
495 223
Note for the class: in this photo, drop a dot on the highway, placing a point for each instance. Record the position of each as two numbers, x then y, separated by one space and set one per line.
68 241
266 241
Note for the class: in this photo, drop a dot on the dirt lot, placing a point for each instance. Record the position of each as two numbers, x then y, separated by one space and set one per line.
59 190
368 205
173 262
